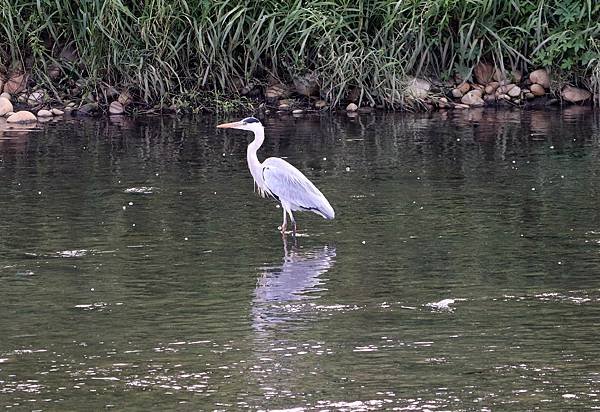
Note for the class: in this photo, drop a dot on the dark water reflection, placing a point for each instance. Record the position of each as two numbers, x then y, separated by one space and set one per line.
138 270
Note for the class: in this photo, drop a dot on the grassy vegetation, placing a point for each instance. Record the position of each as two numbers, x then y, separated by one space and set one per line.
187 52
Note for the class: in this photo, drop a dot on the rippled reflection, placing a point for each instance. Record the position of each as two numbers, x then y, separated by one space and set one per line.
297 278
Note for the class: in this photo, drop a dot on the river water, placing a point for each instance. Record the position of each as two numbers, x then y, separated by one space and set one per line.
138 270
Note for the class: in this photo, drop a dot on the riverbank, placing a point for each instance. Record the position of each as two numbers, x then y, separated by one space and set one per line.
157 57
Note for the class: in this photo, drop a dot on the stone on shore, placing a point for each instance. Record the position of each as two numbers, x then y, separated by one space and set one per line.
352 107
297 111
5 106
418 88
125 98
44 113
540 77
473 99
483 72
464 87
514 91
320 104
537 89
575 94
277 91
88 108
6 96
116 108
57 112
491 87
456 93
16 84
306 84
37 97
22 116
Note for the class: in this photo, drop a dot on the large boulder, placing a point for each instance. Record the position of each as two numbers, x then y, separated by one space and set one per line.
5 106
575 94
22 116
540 77
418 88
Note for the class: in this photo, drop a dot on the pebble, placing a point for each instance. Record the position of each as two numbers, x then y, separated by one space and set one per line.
44 113
352 107
297 111
57 112
116 108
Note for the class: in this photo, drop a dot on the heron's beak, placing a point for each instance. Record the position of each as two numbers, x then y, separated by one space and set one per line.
232 125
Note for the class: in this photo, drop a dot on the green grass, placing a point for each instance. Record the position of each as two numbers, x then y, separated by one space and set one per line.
166 52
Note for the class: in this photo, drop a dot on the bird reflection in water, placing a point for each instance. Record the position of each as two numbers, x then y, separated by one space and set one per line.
280 288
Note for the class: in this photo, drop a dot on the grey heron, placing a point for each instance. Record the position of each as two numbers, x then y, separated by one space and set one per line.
277 178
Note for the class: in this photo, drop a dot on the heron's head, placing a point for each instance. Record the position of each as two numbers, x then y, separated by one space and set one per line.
249 123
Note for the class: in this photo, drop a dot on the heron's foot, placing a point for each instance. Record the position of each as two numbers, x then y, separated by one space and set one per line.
282 229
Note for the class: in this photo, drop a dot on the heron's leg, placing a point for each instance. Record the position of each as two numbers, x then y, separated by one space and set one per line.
293 223
284 224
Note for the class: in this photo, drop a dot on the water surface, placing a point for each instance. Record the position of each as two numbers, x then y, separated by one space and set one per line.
462 271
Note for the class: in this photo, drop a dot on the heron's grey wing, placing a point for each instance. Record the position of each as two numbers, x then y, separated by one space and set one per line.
294 189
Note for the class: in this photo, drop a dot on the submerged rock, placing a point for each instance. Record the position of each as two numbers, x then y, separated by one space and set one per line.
575 94
5 106
22 116
540 77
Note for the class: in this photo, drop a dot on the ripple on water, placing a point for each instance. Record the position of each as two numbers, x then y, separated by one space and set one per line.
145 190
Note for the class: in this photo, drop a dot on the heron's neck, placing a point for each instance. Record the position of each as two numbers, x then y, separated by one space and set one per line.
253 163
